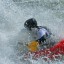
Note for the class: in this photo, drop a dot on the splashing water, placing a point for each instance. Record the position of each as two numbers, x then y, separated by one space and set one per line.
14 13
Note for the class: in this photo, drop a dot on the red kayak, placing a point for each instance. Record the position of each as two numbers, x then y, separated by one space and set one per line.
55 51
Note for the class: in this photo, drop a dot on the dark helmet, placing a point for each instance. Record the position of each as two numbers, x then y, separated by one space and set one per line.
30 23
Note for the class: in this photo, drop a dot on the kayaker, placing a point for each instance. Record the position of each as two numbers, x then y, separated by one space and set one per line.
42 33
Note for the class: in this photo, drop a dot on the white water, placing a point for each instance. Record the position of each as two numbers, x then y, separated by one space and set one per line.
12 17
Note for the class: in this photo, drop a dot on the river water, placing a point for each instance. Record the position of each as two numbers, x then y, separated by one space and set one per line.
13 14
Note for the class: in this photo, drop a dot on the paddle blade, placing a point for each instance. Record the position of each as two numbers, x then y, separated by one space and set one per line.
33 46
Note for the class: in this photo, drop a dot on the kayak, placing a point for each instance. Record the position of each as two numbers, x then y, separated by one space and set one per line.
54 52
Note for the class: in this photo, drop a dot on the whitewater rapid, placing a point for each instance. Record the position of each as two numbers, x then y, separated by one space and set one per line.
14 13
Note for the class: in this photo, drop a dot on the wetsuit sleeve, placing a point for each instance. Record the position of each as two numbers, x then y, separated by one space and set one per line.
41 40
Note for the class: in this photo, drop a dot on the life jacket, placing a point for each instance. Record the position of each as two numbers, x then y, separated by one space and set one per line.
41 31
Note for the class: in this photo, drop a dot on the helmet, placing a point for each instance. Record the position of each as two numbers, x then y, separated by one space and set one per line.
30 23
